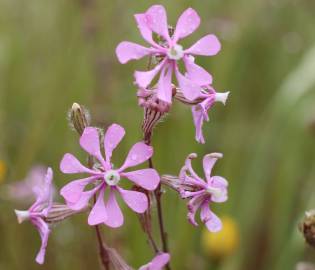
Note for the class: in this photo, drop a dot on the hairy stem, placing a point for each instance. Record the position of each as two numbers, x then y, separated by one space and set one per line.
102 250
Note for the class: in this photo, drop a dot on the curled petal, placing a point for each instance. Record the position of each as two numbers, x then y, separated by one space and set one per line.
208 46
164 91
113 137
148 179
212 222
44 232
156 19
70 164
115 217
196 73
144 78
98 213
90 142
198 118
193 205
139 153
127 51
136 200
190 89
208 163
187 23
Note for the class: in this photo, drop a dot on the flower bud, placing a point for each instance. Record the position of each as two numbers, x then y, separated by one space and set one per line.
307 227
79 118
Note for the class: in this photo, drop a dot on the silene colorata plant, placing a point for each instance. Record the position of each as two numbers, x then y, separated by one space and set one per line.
98 191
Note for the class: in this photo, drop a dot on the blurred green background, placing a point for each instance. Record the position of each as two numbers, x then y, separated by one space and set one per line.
54 53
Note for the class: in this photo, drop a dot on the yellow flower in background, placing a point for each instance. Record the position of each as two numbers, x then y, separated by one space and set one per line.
223 243
3 170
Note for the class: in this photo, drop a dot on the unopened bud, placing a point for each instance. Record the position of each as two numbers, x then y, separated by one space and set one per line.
79 118
307 227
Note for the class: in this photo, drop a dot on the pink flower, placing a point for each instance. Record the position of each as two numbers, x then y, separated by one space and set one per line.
105 177
200 111
158 262
155 20
202 193
39 211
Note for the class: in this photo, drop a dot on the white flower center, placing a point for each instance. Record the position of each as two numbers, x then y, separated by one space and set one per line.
176 52
215 192
22 215
112 177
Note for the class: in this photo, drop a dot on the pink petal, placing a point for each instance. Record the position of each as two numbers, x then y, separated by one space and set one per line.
164 91
83 201
145 31
115 217
158 262
222 184
218 181
113 137
187 23
208 45
73 191
157 21
193 205
127 51
139 153
144 78
136 200
196 73
212 222
90 142
44 232
44 192
98 213
190 89
70 164
198 122
208 163
148 179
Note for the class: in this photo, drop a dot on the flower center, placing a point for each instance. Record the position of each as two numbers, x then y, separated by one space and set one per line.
112 177
215 192
176 52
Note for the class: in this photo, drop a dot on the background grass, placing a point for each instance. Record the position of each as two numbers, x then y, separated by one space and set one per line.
54 53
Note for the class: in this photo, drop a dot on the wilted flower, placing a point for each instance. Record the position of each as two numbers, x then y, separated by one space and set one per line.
154 20
39 211
105 177
201 193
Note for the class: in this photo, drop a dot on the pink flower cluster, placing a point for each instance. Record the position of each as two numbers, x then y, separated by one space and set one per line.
103 181
167 52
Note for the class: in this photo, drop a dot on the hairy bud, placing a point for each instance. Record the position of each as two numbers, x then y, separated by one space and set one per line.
307 227
79 118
